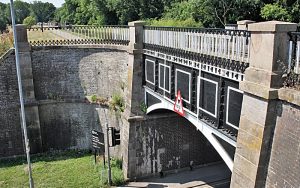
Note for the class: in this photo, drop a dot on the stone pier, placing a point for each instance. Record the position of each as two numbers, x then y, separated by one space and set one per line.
269 47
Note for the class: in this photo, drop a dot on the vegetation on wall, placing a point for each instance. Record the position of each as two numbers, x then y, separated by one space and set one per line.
117 103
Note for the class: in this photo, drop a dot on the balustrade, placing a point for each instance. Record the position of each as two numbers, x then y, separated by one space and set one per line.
78 34
227 44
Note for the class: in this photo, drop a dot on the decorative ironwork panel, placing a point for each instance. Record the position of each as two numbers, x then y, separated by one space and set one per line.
151 100
183 82
209 98
150 72
217 66
293 66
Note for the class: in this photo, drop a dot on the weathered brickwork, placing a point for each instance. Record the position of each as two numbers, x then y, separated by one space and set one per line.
69 75
166 142
10 129
75 73
62 78
67 125
284 166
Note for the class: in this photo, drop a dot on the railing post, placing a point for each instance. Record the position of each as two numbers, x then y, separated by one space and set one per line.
268 51
23 43
243 24
135 67
31 106
134 96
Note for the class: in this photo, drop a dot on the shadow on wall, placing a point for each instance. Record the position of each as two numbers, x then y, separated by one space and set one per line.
63 77
10 129
167 141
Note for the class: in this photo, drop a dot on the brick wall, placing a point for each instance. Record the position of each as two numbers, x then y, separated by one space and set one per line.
284 166
74 73
166 142
67 125
10 129
62 78
70 74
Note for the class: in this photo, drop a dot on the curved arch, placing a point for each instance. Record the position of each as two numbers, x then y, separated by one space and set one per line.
205 129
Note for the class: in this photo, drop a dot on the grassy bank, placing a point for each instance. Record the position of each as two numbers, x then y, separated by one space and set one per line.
68 169
6 42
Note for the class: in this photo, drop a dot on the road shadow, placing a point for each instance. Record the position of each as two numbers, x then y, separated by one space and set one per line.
216 175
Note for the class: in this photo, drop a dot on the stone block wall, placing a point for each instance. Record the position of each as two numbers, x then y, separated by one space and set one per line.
10 129
67 75
67 125
163 142
76 72
62 77
284 165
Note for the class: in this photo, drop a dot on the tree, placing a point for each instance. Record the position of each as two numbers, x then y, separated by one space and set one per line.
275 12
126 10
43 12
67 12
29 21
3 17
22 10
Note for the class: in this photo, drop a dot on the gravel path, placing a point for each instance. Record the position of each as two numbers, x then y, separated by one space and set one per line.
65 34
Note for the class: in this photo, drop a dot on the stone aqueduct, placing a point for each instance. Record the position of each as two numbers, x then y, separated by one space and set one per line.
236 109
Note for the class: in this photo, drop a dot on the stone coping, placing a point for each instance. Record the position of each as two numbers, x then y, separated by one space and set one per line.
290 95
7 53
106 46
152 116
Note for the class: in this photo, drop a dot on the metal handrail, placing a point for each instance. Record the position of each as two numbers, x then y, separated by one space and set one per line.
78 34
223 43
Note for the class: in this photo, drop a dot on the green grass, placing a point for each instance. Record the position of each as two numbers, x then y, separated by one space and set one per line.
38 35
68 169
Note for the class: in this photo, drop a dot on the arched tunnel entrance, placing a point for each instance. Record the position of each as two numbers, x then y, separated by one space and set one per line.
166 143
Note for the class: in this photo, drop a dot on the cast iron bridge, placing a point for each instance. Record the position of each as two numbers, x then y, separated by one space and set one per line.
206 65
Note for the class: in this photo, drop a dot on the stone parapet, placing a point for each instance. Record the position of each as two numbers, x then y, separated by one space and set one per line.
262 82
244 24
32 110
135 90
290 95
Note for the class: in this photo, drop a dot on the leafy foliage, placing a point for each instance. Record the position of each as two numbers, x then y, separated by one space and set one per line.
190 22
117 103
143 107
43 12
275 12
29 21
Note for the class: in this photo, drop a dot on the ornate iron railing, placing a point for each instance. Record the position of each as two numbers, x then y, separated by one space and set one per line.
294 53
227 44
78 34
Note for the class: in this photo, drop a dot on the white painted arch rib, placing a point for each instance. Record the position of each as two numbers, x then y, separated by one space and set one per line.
205 129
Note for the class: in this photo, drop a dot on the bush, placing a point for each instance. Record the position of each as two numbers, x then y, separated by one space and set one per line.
275 12
29 21
117 103
190 22
94 98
